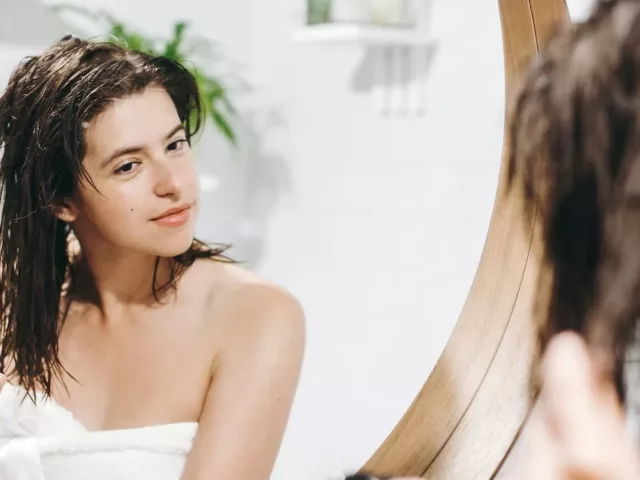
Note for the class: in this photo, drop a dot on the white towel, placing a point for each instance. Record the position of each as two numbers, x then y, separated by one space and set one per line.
43 441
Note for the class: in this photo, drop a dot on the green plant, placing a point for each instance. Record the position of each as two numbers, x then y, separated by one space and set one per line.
177 47
318 11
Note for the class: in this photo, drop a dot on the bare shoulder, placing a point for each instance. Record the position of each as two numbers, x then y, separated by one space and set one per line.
259 342
244 307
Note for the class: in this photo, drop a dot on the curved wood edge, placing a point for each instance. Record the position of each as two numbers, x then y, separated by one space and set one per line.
497 413
546 15
465 418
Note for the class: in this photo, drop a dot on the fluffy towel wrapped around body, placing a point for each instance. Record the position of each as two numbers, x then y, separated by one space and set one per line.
43 441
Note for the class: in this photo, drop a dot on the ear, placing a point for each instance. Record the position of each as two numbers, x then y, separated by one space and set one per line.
65 210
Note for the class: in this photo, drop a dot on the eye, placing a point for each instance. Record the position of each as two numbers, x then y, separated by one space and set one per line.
177 145
126 168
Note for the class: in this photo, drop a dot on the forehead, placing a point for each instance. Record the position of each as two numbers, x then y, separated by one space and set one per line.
135 120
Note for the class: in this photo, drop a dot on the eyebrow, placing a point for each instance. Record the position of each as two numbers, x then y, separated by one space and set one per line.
128 150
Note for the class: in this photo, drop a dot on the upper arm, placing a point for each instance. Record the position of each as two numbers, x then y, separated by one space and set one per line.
253 383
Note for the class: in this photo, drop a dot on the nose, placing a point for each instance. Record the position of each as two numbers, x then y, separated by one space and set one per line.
167 180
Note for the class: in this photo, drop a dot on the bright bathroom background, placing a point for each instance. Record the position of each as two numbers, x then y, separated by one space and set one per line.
375 222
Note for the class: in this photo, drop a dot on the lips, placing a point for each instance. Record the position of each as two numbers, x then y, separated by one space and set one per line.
174 217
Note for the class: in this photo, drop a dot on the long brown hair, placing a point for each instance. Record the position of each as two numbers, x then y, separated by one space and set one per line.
575 150
42 111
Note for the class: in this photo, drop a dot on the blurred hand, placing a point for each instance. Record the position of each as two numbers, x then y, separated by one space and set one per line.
577 428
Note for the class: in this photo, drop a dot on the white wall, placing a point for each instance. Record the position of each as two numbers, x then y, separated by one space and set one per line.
392 214
25 28
376 224
28 23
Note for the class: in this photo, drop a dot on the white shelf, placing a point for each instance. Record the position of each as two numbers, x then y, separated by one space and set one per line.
399 57
362 34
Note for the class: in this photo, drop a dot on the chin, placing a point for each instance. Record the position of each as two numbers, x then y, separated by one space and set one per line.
175 246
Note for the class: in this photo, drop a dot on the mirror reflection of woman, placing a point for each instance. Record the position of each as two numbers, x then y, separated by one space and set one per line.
136 333
575 151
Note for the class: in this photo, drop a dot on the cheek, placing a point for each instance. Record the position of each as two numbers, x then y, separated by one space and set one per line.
119 223
194 189
191 179
112 210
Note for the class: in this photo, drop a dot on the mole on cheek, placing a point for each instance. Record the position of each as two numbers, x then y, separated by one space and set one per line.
132 209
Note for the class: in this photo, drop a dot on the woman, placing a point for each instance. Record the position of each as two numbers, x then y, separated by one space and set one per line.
137 336
575 152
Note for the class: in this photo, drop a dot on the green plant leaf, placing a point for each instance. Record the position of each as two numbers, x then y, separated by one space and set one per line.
117 30
224 126
173 46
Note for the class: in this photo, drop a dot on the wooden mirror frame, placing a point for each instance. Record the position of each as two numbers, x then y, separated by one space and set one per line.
466 417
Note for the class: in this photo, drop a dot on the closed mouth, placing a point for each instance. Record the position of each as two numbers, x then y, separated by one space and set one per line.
172 211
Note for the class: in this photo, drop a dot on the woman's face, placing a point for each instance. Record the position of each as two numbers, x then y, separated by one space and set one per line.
146 185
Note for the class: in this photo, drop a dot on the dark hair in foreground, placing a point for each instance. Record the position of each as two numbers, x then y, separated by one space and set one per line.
575 150
42 112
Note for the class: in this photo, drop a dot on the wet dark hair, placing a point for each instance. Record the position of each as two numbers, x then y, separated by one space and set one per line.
48 99
575 151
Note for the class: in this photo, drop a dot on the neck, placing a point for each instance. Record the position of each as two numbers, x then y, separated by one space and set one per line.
117 280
